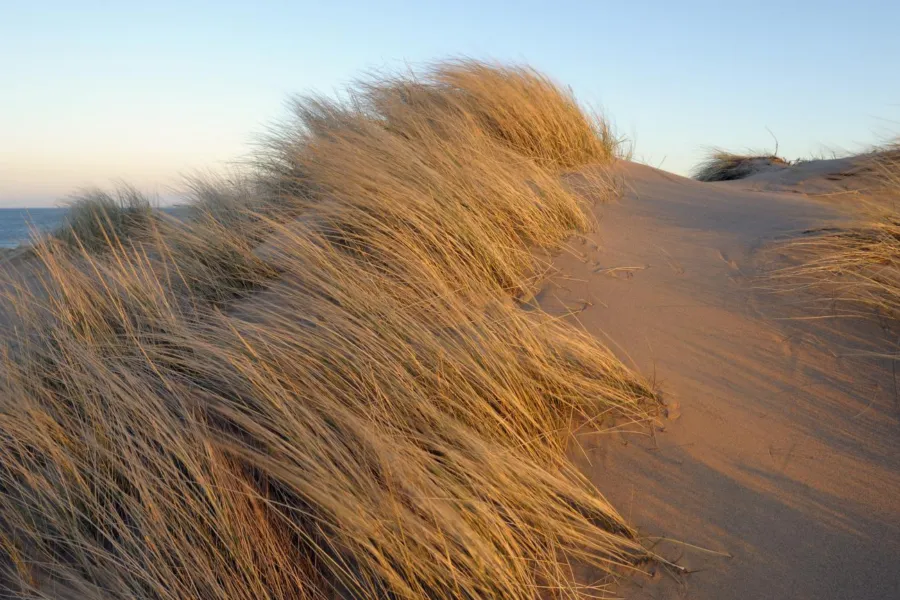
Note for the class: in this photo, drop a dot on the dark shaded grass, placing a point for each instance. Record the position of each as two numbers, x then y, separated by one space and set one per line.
726 166
97 217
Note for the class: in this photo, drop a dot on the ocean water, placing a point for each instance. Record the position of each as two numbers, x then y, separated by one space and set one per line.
18 224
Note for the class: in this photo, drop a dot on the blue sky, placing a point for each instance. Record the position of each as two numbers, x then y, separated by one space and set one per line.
144 91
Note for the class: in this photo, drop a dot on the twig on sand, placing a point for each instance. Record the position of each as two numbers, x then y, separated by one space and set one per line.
613 270
658 539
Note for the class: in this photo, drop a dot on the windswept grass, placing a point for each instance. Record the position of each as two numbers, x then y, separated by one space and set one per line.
858 267
97 218
321 389
528 112
727 166
372 183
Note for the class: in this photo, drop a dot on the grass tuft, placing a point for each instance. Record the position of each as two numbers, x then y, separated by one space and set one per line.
528 112
98 218
726 166
857 266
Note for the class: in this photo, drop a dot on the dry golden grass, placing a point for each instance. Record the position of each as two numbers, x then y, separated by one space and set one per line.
727 166
857 266
353 408
528 112
395 190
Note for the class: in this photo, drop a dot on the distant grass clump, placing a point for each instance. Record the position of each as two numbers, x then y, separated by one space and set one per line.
319 387
726 166
97 218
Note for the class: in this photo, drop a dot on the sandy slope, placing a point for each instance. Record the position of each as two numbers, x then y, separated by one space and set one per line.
820 178
780 450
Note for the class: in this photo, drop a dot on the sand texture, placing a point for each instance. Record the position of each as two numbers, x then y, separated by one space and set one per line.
781 450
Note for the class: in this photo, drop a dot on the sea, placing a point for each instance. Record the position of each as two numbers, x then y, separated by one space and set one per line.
19 225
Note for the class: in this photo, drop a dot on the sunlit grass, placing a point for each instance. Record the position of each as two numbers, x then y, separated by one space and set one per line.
319 386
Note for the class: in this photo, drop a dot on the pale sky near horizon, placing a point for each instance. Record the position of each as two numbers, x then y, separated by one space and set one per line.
91 91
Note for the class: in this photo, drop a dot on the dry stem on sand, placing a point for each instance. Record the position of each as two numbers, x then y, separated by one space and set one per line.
353 408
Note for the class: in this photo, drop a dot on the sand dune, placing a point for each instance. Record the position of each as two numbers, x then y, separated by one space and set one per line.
350 376
776 470
819 178
781 448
